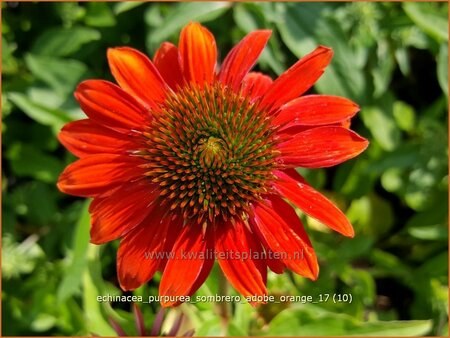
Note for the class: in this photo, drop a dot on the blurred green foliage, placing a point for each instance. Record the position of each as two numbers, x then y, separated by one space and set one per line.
390 58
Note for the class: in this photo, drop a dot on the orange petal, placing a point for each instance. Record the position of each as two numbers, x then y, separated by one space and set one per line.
168 62
176 225
198 52
298 78
312 203
188 268
83 138
141 250
108 105
274 263
315 110
279 227
137 75
98 174
242 58
256 85
114 215
235 249
321 147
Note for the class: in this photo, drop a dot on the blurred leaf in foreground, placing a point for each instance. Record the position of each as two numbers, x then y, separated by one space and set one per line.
20 258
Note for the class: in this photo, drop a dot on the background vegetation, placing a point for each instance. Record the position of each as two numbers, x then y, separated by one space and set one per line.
391 58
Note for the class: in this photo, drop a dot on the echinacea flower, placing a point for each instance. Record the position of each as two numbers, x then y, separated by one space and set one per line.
183 159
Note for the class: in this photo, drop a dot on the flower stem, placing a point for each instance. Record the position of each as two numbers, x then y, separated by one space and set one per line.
224 307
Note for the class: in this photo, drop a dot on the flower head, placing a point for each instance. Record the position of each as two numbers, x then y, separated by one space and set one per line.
183 159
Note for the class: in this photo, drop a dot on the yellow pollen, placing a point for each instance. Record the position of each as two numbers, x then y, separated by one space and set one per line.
212 152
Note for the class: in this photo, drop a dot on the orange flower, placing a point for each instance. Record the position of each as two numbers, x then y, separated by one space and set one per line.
183 161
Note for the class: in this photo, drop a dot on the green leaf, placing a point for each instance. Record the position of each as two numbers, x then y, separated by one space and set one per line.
99 14
434 267
54 118
302 324
210 328
387 265
297 24
35 201
305 26
381 124
444 330
372 214
153 17
353 178
354 249
92 288
6 108
394 328
9 63
402 58
235 331
43 322
436 216
404 115
442 68
27 161
243 317
45 96
248 16
382 72
19 258
361 283
123 7
72 278
64 41
310 320
182 14
215 327
430 233
405 156
426 16
393 180
62 75
70 12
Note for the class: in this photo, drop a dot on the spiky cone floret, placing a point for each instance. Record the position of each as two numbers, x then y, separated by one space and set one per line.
183 160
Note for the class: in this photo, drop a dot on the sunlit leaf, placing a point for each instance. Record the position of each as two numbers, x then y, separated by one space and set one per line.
185 12
62 75
72 278
47 116
19 258
404 115
92 287
99 14
442 69
372 214
63 41
304 26
122 7
382 71
43 322
431 233
382 125
314 322
426 16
